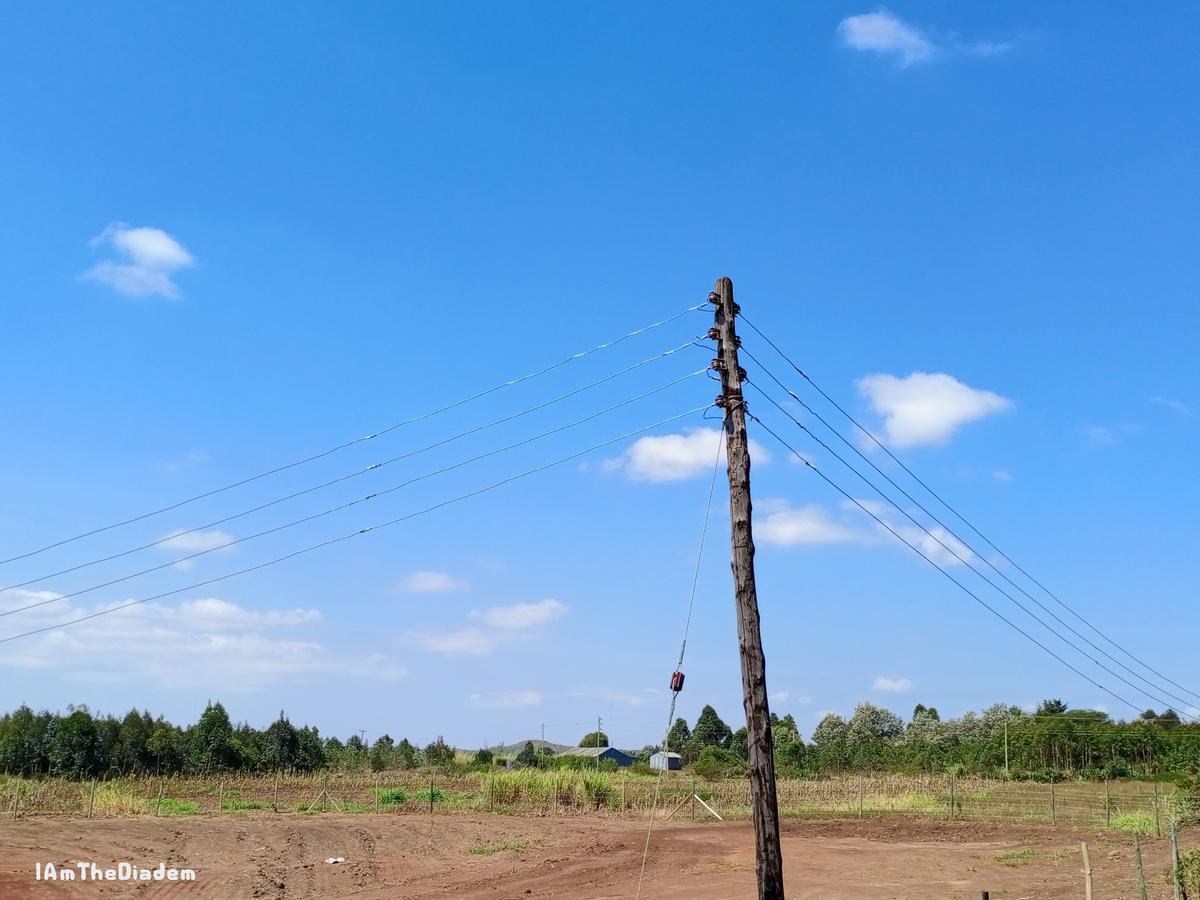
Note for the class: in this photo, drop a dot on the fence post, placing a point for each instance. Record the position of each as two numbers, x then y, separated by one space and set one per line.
1107 806
431 793
1053 805
951 798
623 782
1087 871
92 799
1176 872
158 802
220 796
693 799
1137 852
1157 820
16 798
275 794
492 793
557 778
860 796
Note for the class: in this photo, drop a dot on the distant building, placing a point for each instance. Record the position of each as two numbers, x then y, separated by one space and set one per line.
668 761
619 757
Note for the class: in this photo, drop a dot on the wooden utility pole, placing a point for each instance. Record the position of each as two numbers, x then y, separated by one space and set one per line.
768 859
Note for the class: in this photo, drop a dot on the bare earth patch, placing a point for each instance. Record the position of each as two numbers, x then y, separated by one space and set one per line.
260 855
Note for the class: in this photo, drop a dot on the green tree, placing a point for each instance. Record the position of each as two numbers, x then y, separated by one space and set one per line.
22 738
211 739
871 724
439 753
527 758
930 711
679 738
594 739
406 754
1054 707
483 757
382 753
830 739
75 749
310 751
281 745
710 731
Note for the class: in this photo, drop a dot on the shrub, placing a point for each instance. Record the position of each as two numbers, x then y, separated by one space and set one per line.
394 796
242 804
171 806
1190 871
714 763
437 795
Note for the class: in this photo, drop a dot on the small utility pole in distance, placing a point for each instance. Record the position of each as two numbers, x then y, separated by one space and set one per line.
759 742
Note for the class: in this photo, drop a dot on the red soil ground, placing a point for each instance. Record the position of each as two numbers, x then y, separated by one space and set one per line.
266 856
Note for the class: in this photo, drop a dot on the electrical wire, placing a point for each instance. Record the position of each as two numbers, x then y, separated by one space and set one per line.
344 445
933 563
175 535
353 534
870 435
1050 612
958 556
341 506
679 665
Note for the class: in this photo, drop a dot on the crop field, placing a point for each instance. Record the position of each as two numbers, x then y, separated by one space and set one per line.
1129 806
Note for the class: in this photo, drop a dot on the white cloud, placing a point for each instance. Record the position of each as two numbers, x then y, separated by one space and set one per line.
886 34
457 642
781 696
1002 475
498 624
185 462
675 457
632 697
883 33
927 408
212 612
505 699
787 526
1177 405
196 542
149 257
892 685
936 543
521 615
1107 435
425 581
207 642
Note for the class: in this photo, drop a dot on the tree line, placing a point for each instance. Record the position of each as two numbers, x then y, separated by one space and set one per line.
1051 743
81 745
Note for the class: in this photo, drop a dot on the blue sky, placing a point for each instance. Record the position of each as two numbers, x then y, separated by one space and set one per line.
236 238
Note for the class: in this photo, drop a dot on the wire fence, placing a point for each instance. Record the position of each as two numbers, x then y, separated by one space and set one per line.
1144 807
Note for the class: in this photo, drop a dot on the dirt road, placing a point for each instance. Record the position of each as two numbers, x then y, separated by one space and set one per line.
275 857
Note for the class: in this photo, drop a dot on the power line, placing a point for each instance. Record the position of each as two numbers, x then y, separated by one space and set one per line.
949 531
870 435
341 506
967 562
361 531
933 563
349 475
344 445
